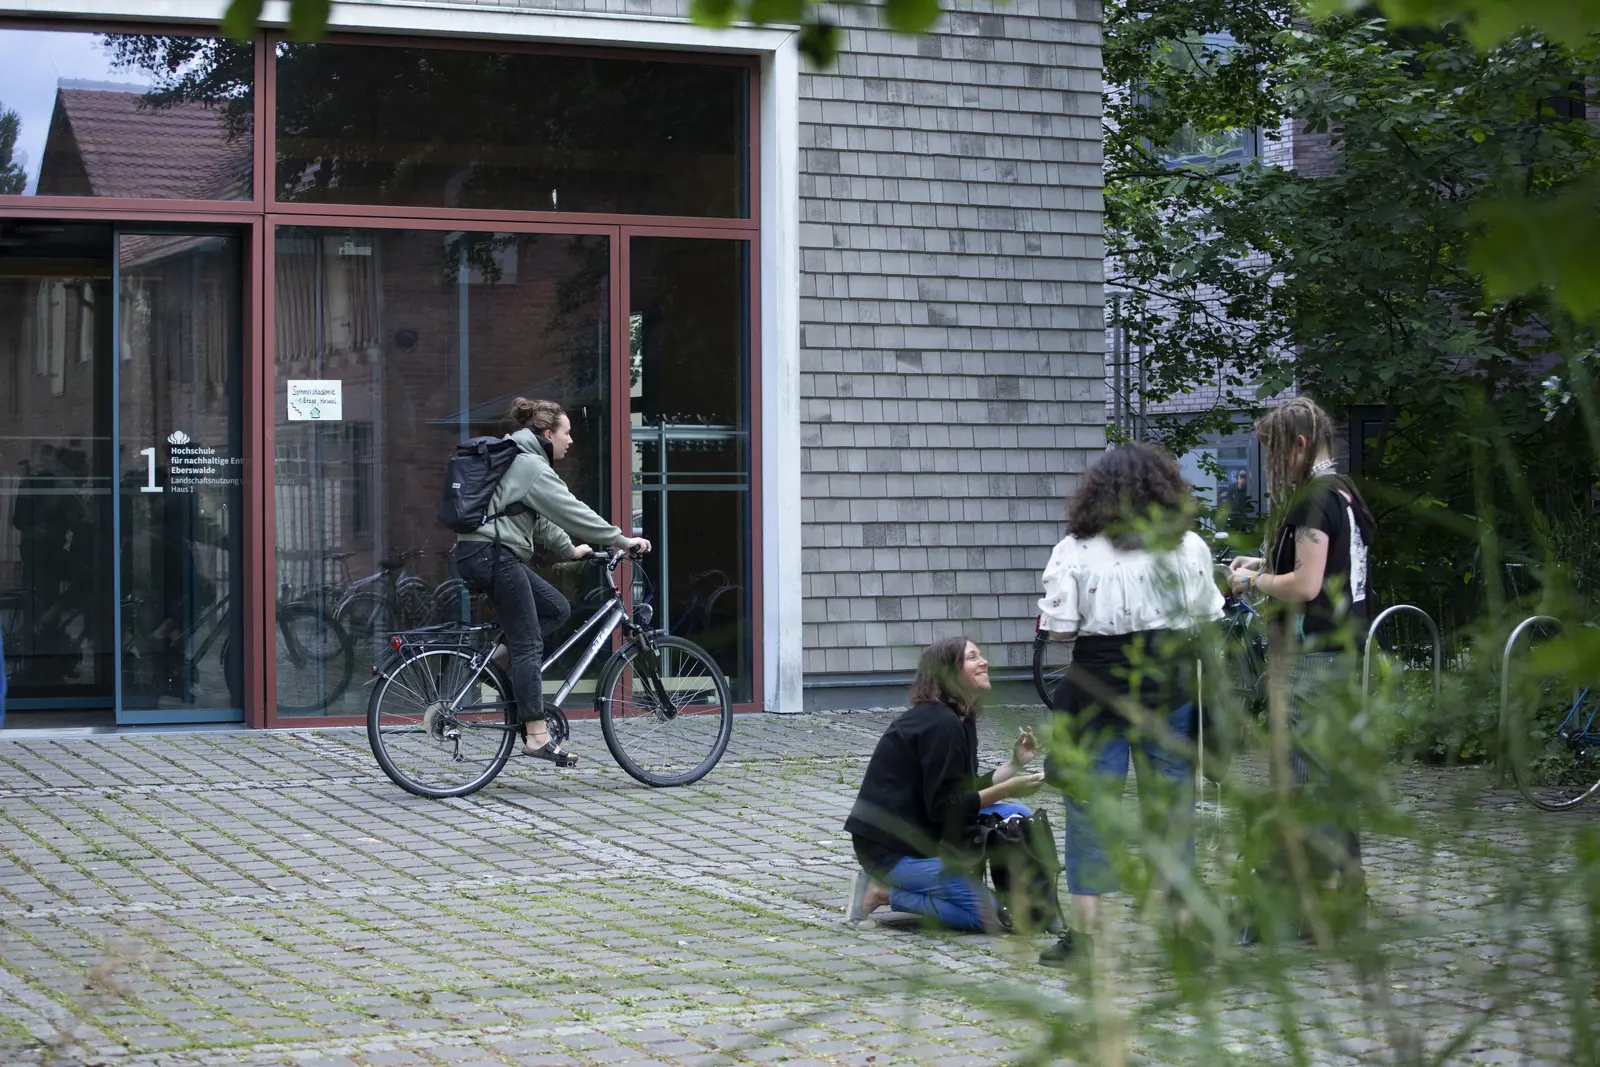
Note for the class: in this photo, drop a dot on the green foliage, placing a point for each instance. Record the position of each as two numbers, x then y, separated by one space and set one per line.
1486 22
1358 281
13 179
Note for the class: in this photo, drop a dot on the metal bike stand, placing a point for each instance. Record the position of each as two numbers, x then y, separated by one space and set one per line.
1372 632
1200 752
1505 688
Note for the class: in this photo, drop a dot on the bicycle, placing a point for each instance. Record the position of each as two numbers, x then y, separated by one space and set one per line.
1050 662
388 601
1245 648
1576 776
314 655
442 720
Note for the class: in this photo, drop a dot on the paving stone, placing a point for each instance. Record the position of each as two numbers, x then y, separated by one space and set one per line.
582 919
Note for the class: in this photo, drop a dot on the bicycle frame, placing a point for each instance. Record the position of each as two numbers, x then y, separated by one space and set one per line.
603 622
1582 734
598 629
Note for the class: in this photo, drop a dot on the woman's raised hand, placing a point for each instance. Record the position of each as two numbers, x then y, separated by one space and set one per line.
1026 750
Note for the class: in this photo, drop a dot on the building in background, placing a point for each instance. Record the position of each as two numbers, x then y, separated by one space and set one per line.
831 340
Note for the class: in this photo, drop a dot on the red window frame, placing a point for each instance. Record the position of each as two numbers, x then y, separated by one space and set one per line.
258 219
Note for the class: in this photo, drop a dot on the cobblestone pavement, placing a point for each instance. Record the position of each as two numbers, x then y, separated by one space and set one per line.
270 898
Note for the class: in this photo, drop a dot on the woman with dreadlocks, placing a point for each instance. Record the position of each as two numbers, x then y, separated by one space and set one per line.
1318 536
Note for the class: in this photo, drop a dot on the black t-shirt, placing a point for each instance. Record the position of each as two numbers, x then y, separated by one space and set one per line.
1330 506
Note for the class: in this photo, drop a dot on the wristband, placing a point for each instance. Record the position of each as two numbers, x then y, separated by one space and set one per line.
1250 582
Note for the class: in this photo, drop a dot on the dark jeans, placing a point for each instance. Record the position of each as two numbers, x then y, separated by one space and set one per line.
529 609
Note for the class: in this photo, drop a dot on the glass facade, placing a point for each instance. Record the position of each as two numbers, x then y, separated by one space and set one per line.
184 537
121 559
56 583
463 128
126 115
689 391
430 335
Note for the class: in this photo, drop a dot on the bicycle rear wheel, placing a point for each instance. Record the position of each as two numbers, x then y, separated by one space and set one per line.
1050 662
423 745
666 713
1554 769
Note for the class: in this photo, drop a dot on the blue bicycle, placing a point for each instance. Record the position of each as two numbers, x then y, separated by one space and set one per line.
1558 770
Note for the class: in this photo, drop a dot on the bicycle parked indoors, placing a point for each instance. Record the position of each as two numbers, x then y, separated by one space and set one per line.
314 655
442 720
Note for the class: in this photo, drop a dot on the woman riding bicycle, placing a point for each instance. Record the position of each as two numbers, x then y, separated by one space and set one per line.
496 559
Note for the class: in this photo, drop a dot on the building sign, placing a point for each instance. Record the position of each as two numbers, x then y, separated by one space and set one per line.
316 401
190 464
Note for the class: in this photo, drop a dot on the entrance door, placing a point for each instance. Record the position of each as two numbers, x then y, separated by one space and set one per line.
120 496
56 582
179 441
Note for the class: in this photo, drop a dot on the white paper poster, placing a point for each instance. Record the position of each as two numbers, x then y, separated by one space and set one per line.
316 401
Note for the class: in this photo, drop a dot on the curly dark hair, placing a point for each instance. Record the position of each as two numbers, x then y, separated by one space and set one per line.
939 679
1131 484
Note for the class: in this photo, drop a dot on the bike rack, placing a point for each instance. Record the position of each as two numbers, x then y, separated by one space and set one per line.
1200 759
1372 632
1505 687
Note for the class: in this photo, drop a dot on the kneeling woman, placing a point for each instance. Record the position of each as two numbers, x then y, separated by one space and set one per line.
922 793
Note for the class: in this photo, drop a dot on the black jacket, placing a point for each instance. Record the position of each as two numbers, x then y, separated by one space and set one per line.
920 794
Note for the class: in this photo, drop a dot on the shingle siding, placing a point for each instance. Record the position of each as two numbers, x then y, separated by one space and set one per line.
951 327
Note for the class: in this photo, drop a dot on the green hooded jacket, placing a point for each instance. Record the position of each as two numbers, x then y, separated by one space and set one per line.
557 518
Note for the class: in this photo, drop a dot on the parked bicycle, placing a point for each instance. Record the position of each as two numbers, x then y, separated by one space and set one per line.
1560 769
442 720
1050 662
314 655
388 601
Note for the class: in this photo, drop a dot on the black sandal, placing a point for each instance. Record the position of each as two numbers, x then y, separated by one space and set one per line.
550 751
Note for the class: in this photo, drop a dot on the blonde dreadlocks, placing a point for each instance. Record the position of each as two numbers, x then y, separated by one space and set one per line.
1279 431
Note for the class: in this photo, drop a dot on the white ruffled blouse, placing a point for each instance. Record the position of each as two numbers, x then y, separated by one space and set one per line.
1092 587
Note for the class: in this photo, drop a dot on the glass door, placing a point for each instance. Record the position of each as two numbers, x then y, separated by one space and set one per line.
56 472
178 434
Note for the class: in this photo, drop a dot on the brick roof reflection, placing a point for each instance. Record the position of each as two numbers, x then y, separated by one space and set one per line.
105 143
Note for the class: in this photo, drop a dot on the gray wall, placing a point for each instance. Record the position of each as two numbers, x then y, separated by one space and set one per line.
951 332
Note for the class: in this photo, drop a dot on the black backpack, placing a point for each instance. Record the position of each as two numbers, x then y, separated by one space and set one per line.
1024 867
474 473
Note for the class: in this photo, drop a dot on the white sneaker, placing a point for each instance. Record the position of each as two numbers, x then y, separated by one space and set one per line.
856 910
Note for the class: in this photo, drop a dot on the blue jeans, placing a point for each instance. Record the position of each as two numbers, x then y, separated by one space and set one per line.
1166 802
924 887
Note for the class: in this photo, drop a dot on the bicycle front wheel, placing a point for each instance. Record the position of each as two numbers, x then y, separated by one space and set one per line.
666 710
1555 769
431 736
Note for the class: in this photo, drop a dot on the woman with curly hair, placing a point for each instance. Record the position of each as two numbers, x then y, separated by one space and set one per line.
1128 583
922 794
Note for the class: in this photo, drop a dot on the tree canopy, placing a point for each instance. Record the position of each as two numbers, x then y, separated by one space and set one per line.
1385 272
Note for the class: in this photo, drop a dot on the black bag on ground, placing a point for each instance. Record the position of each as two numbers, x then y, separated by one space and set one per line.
473 475
1025 868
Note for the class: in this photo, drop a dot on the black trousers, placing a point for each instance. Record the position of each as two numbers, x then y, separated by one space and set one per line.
528 608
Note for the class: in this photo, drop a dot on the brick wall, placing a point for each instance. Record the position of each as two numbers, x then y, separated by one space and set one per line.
951 327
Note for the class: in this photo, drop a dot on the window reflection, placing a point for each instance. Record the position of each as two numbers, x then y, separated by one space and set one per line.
125 115
430 335
467 128
689 382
